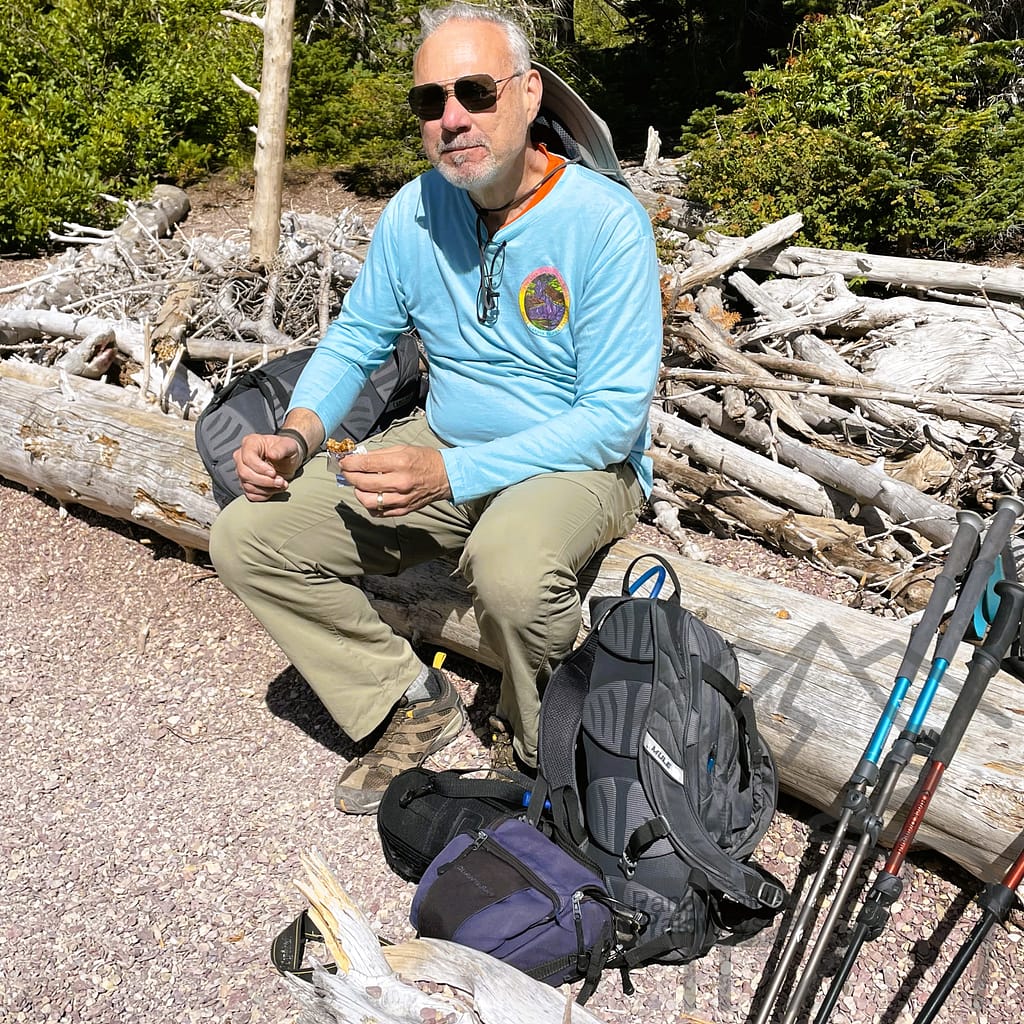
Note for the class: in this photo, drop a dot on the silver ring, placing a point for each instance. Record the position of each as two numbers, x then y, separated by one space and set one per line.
380 501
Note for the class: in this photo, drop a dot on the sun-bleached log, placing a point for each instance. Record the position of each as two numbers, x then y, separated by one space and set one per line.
743 253
900 272
948 406
868 485
95 445
825 541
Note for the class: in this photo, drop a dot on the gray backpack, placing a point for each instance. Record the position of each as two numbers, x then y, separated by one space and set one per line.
656 774
256 401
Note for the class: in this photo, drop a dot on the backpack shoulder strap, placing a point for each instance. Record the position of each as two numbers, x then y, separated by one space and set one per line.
561 712
661 774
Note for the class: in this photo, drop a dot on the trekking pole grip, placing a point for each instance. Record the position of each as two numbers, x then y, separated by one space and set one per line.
957 558
996 537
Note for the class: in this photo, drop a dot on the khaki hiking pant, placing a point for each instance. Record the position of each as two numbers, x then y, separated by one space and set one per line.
291 561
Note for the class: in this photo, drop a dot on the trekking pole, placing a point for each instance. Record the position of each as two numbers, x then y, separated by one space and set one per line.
886 889
996 902
866 773
906 743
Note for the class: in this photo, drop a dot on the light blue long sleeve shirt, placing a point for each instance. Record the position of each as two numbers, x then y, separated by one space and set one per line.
562 380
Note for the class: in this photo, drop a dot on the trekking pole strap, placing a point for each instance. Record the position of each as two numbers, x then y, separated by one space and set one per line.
996 537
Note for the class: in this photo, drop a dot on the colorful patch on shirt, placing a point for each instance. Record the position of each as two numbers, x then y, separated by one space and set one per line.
544 301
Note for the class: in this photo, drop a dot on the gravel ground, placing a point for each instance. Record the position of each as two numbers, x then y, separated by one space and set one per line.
164 768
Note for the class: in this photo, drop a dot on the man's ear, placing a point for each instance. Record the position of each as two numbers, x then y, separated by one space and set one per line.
534 88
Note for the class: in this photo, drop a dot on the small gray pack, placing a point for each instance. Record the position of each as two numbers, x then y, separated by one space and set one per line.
256 402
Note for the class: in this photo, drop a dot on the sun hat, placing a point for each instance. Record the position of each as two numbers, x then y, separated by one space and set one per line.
590 133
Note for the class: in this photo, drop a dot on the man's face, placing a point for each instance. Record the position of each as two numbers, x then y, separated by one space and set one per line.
476 150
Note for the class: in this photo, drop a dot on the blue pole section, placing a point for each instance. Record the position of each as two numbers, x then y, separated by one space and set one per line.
959 555
960 551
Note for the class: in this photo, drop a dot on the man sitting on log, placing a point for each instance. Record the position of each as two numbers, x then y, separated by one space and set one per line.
533 285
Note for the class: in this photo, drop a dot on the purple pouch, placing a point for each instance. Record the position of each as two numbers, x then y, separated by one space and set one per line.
509 891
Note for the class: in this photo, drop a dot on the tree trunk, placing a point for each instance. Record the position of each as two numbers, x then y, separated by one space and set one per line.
268 163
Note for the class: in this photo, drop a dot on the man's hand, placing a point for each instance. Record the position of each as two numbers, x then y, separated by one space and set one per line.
265 464
398 480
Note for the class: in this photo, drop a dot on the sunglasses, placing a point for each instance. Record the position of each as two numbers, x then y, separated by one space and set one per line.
492 267
474 92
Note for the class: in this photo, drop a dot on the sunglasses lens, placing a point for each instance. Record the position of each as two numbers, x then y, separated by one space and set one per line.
476 92
427 101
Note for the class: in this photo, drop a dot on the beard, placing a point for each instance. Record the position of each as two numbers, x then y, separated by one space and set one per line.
462 170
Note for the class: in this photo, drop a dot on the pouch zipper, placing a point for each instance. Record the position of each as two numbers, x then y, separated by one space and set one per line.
495 850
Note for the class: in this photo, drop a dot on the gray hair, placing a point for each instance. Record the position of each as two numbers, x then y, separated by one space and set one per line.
432 18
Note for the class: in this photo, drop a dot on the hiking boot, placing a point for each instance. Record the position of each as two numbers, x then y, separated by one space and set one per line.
416 730
503 755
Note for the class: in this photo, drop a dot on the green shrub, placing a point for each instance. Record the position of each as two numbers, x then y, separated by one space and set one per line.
886 129
344 111
104 96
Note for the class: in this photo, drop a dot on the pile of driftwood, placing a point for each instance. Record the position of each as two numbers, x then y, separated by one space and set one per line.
841 424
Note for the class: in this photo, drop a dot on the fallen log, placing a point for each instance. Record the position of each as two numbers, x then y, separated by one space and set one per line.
758 472
948 406
830 543
88 443
900 272
740 254
869 485
820 672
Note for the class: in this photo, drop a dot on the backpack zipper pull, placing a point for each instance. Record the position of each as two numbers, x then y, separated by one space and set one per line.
582 953
577 910
479 840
